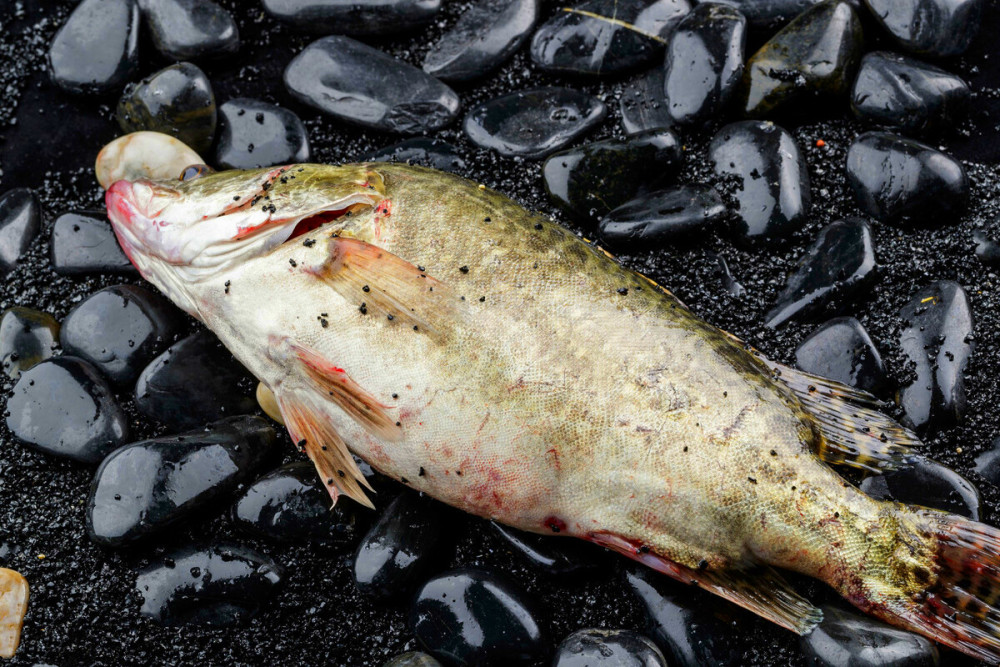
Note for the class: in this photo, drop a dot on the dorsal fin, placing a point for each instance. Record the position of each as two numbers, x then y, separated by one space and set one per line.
852 431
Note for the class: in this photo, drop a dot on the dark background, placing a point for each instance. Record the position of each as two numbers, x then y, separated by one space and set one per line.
84 609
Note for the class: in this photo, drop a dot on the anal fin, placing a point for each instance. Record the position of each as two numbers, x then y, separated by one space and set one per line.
758 588
386 286
310 428
853 432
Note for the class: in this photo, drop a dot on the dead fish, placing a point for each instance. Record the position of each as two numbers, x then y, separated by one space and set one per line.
488 357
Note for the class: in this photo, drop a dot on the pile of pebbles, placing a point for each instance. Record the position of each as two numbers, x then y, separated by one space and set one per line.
678 135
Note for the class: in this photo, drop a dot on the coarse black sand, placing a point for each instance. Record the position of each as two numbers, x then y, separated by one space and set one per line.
84 609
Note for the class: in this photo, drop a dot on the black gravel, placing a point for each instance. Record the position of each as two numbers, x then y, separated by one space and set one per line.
84 609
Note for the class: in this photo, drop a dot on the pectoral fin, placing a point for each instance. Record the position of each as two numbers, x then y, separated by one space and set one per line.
386 286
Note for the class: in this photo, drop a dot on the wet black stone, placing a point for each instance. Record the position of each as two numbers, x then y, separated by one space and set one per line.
177 100
65 408
20 220
97 49
222 585
83 242
769 175
813 57
189 29
987 250
847 639
690 627
840 262
290 504
533 123
412 659
605 36
935 28
607 648
253 133
662 216
434 153
354 17
988 463
354 82
471 617
486 35
194 382
589 181
929 484
556 556
903 180
27 337
401 548
704 63
120 329
842 350
766 16
148 486
642 103
937 339
896 91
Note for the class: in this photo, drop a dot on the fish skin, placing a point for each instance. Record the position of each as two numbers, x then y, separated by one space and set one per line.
554 390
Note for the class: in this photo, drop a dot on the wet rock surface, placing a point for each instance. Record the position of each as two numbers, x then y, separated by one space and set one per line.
590 180
840 263
119 330
354 17
83 242
897 91
253 133
218 586
619 648
472 617
487 34
20 220
96 50
187 29
704 63
290 504
772 180
643 105
929 484
401 548
177 100
63 407
148 486
192 383
847 638
27 337
935 28
814 56
903 180
433 153
552 555
842 350
533 123
605 36
937 339
360 84
659 217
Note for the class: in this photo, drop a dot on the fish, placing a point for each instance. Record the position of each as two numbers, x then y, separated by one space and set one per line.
489 357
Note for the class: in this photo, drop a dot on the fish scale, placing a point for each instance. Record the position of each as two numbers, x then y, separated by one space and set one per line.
488 357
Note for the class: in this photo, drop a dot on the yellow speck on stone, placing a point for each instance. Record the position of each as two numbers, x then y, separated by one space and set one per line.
13 607
929 298
958 450
482 187
41 556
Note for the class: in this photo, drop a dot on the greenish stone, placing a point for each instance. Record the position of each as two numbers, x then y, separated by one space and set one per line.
814 56
177 100
27 338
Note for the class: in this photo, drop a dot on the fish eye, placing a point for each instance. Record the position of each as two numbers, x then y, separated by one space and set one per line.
193 171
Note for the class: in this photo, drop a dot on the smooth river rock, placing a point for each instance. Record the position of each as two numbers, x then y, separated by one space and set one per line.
850 639
253 133
643 105
20 222
357 83
97 49
597 647
769 178
552 555
83 242
434 153
935 28
842 350
148 486
354 17
926 483
188 29
27 338
656 218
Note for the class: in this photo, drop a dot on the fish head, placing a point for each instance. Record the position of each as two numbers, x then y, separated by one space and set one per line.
183 232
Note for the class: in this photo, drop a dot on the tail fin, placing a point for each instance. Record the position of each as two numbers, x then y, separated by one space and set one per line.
941 579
